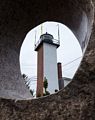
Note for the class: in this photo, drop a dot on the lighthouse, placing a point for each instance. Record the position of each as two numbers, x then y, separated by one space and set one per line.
46 48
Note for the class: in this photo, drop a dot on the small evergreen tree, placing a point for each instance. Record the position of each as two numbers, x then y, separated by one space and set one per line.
45 87
45 84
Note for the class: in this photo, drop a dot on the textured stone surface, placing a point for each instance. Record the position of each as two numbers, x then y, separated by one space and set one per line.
77 100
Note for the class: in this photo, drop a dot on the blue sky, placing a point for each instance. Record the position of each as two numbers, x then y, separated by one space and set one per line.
68 51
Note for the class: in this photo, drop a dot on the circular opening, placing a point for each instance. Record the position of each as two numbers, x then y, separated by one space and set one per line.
69 54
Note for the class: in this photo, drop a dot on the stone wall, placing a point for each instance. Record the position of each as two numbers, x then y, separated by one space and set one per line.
77 100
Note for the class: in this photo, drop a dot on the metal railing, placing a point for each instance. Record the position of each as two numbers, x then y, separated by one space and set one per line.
54 41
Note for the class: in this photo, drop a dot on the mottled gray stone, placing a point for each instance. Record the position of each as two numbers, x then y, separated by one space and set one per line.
77 100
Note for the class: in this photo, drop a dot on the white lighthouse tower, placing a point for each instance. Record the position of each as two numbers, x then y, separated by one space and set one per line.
46 49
